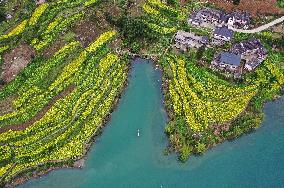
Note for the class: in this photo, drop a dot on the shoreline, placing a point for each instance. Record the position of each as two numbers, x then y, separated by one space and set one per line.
79 163
171 117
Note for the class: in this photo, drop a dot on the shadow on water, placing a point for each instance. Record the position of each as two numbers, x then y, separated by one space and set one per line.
121 159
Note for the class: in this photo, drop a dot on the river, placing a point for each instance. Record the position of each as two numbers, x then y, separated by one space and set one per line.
120 159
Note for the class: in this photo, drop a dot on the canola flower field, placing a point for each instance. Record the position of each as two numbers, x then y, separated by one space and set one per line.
93 77
204 108
74 90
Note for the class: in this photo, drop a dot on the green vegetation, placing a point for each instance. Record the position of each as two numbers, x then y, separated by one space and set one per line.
236 2
75 90
204 108
2 14
280 3
63 97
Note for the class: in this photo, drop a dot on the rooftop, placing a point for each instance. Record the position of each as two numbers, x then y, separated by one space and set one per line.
205 13
224 31
248 45
183 36
230 58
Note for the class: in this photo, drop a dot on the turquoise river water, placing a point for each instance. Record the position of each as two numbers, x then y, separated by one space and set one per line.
120 159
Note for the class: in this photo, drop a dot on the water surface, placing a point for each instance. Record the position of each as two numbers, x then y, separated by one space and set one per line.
120 159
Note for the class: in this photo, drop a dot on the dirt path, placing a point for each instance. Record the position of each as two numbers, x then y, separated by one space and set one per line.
18 127
261 28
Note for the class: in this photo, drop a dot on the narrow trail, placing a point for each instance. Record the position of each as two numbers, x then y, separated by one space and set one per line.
38 116
261 28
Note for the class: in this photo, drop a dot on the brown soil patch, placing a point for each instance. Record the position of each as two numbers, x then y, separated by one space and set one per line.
16 60
183 2
136 8
40 114
53 48
38 2
6 105
113 9
80 163
278 28
86 32
254 7
115 44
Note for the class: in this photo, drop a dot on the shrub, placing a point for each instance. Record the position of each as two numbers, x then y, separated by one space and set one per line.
280 3
2 14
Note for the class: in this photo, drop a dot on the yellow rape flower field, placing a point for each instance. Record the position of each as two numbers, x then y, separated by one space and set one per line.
69 62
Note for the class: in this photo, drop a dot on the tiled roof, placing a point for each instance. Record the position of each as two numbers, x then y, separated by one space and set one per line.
248 45
224 31
230 58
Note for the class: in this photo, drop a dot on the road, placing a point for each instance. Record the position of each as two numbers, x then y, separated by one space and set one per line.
261 28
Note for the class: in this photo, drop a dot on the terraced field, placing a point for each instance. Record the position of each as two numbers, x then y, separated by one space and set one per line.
61 101
62 82
205 107
207 110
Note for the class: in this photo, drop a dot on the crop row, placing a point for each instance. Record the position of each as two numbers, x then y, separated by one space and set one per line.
53 30
31 154
35 99
29 87
27 22
161 17
62 133
185 91
47 21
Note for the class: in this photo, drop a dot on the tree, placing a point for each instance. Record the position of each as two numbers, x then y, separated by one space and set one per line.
236 2
280 3
2 82
173 2
185 152
201 148
2 14
200 52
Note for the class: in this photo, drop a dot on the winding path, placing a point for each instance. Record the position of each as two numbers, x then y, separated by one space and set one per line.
261 28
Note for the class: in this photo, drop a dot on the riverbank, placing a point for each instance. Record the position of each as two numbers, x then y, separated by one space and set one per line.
187 81
200 102
121 159
164 85
71 163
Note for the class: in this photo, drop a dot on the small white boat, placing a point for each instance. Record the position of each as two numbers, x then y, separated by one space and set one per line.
138 132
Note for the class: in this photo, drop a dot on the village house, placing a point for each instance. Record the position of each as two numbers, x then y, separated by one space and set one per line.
184 40
212 18
238 20
244 56
205 17
227 61
252 51
223 33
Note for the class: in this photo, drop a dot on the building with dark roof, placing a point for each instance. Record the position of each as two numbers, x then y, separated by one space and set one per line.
184 40
252 45
208 17
240 20
252 51
227 61
230 59
223 33
247 55
205 17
